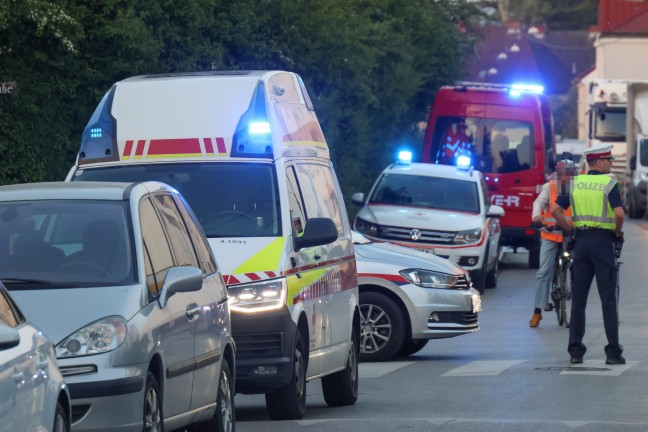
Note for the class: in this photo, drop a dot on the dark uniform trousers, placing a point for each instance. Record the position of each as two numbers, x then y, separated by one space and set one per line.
594 256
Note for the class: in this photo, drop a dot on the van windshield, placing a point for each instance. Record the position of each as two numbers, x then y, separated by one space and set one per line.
229 199
427 192
493 145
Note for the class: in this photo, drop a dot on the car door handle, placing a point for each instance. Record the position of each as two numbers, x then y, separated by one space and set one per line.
18 377
193 310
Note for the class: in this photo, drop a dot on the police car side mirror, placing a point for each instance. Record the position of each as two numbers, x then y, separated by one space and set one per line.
495 211
318 231
358 198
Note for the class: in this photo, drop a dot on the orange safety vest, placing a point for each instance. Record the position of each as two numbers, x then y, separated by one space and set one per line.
547 217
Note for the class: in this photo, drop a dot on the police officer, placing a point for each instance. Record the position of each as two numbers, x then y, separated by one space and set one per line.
597 215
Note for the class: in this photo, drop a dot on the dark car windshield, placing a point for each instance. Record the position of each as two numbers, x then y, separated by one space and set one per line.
229 199
66 243
429 192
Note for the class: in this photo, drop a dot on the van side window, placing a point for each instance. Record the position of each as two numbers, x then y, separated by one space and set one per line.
177 231
156 245
295 203
319 193
205 257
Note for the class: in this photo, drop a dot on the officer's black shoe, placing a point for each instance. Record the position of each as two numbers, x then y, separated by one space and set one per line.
576 360
549 307
615 360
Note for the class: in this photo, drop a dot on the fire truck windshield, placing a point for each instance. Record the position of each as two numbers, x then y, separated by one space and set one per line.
493 145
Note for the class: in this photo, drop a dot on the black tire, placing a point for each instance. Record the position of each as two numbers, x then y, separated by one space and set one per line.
152 417
412 347
534 258
479 281
491 276
633 211
566 291
383 327
341 388
556 294
224 417
289 402
61 420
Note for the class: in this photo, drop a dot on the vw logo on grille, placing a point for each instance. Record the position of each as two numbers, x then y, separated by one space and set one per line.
415 234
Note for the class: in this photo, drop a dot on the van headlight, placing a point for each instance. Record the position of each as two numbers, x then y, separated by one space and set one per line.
99 337
429 279
469 236
258 296
366 227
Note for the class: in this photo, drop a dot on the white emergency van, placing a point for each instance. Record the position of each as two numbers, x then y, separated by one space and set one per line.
247 152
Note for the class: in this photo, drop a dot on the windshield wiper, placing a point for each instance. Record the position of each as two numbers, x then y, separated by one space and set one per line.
25 281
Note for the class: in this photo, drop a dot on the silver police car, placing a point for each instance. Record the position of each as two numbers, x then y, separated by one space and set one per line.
121 278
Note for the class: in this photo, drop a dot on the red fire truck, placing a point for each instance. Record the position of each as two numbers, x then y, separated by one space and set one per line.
506 132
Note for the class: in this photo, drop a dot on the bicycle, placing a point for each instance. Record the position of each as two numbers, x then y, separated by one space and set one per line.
561 281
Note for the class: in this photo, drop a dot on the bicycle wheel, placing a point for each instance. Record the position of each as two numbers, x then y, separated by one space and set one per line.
556 294
566 294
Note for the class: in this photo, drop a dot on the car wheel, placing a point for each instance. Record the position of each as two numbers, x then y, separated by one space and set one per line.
491 276
61 423
223 419
153 420
383 327
341 388
412 347
289 402
479 281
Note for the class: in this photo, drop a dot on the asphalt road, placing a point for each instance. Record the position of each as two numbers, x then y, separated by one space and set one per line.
505 377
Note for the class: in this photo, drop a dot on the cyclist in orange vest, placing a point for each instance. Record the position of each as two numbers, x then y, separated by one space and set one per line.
549 241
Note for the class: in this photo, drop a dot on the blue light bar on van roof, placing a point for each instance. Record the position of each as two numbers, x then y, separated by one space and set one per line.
259 128
95 133
517 89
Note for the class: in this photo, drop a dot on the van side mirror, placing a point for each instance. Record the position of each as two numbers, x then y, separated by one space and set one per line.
495 211
358 198
9 337
633 163
317 232
180 279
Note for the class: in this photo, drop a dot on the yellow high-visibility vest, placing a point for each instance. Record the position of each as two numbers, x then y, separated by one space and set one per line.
590 201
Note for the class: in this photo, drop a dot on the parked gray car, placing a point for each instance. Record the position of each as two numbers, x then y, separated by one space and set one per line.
121 278
33 396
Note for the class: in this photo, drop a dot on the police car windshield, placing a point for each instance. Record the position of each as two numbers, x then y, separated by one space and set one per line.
428 192
229 199
58 243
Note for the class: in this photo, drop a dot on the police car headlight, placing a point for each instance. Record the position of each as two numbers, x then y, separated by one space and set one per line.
429 279
466 237
366 227
258 296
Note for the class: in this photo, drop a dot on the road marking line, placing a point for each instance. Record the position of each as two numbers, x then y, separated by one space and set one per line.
483 368
615 370
377 370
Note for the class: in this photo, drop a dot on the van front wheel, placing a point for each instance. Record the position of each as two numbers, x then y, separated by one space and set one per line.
341 388
289 402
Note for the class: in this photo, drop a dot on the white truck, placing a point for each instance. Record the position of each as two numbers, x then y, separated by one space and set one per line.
635 176
607 102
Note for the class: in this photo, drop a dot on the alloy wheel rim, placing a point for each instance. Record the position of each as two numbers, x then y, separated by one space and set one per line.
226 402
299 369
376 328
59 424
152 416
